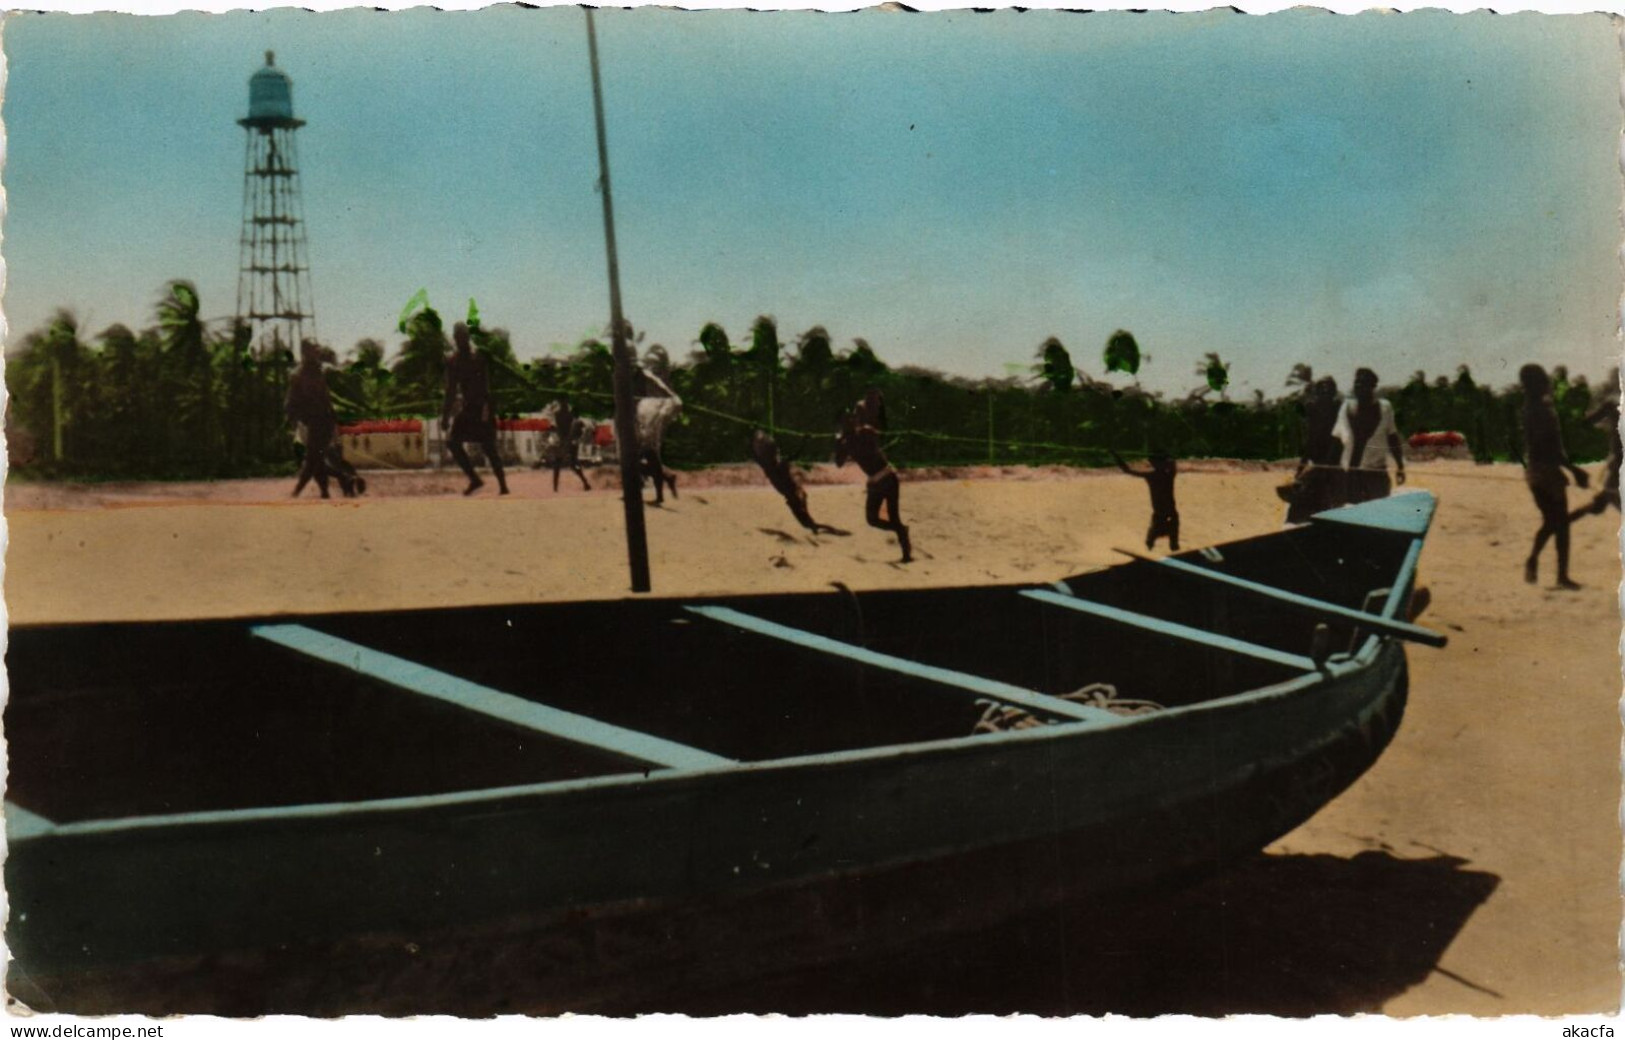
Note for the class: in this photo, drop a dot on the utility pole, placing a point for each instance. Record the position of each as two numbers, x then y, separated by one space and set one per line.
626 422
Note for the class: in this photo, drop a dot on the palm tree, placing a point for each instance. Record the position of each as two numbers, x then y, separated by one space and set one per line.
367 353
183 331
67 357
128 411
590 371
862 361
1055 366
814 351
191 382
764 343
509 385
1216 372
808 381
45 380
120 364
1301 379
420 370
1123 353
362 387
713 340
712 365
763 356
1464 381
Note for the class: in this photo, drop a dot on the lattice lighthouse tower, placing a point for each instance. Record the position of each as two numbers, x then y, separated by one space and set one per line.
274 299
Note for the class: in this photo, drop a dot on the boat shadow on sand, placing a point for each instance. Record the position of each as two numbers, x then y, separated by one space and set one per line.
1288 935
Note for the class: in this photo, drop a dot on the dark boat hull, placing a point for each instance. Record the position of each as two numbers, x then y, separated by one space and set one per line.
833 857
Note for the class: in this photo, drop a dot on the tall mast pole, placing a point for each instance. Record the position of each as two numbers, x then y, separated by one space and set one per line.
626 424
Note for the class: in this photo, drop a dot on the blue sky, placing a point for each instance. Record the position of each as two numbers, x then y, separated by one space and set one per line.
1404 191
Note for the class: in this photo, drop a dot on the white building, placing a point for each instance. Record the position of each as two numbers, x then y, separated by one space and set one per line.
420 443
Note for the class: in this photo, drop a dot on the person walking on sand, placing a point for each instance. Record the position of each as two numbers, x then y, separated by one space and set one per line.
1320 480
565 451
860 442
309 406
1159 479
1544 463
1365 428
783 477
469 412
1605 415
351 482
657 408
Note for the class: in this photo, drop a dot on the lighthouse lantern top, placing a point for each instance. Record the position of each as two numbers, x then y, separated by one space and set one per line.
270 98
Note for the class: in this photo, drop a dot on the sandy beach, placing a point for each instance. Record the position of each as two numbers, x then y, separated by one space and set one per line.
1487 836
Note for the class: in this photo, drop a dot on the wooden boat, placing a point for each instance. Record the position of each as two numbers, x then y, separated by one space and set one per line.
189 802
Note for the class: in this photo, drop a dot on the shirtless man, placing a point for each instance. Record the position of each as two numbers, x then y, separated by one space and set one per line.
309 407
860 442
567 452
1159 479
468 392
657 408
1320 478
1544 463
782 476
351 482
1366 429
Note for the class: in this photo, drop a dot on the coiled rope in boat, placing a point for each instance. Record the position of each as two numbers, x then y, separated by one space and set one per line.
997 717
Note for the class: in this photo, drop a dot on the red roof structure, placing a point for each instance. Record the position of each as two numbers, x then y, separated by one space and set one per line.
366 426
1442 439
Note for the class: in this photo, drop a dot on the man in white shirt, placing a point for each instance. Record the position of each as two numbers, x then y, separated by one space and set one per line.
1366 428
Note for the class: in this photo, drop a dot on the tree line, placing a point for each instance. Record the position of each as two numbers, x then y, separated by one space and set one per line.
187 399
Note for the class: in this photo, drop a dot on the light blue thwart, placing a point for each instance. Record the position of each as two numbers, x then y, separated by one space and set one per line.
1002 691
540 718
1171 629
1379 623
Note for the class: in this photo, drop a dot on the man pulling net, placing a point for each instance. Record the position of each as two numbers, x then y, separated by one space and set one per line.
564 448
783 477
859 440
468 411
1159 480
